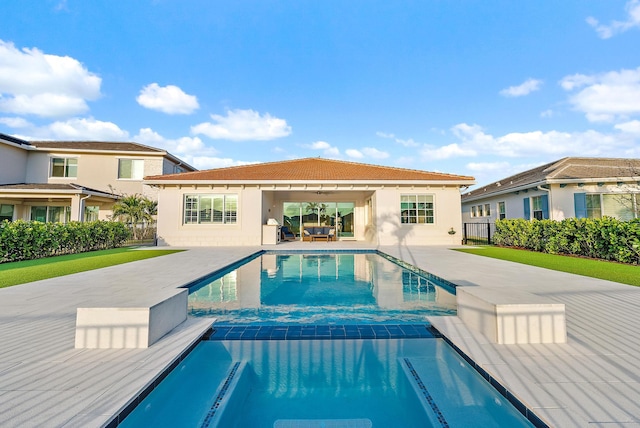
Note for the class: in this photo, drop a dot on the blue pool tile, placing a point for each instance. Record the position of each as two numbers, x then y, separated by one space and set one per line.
309 332
278 334
249 334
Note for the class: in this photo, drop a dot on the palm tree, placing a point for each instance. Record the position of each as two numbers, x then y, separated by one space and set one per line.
135 210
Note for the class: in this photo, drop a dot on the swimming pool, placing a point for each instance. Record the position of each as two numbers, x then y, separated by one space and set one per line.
322 340
320 288
330 383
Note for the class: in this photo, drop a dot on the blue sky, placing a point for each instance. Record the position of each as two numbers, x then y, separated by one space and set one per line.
485 88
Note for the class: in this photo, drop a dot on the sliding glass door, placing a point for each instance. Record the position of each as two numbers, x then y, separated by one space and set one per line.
337 214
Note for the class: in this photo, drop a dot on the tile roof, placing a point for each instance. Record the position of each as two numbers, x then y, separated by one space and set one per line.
565 169
312 169
96 145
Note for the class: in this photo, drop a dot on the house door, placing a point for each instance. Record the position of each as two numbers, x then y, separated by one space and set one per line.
338 214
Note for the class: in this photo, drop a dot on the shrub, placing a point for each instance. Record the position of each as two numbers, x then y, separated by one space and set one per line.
28 240
602 238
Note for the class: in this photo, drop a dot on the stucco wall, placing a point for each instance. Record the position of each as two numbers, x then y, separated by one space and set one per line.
97 171
172 231
14 164
390 230
256 205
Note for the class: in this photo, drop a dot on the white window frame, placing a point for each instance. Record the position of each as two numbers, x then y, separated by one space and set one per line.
420 212
502 210
535 199
65 166
133 170
192 212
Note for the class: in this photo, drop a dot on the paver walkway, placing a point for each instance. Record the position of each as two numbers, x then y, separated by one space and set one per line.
46 382
593 380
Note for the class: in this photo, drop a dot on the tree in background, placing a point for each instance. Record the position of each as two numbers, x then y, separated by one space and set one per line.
137 211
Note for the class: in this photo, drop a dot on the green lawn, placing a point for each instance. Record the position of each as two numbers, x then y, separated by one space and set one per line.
33 270
617 272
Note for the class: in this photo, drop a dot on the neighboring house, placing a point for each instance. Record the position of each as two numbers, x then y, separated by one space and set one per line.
383 205
75 180
570 187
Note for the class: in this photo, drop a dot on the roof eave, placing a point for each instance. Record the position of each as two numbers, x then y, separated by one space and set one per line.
313 182
503 192
123 152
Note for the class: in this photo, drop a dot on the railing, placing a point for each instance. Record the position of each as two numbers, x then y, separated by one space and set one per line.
477 233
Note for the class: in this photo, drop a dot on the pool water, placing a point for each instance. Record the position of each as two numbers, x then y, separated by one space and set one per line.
320 288
379 383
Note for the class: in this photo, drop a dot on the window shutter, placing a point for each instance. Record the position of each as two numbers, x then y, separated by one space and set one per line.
580 204
545 206
527 209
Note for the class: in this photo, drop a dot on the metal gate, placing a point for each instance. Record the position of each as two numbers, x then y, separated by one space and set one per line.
478 233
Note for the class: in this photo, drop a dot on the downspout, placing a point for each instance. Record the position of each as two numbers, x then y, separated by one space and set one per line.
81 208
550 204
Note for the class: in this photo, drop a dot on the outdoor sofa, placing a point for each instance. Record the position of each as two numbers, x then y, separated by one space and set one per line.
315 233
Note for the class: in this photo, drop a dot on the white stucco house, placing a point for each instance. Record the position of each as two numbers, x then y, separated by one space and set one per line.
577 187
377 204
60 181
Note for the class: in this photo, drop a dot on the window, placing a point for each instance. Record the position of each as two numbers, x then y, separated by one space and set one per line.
130 169
91 213
6 212
64 167
51 214
474 211
210 209
624 207
502 211
416 209
487 210
536 203
594 207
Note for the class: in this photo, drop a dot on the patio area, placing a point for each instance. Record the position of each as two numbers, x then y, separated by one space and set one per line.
593 379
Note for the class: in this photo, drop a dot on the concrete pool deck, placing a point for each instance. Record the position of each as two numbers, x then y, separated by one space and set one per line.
592 380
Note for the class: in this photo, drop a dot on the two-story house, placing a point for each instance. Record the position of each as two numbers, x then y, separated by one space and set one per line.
75 180
570 187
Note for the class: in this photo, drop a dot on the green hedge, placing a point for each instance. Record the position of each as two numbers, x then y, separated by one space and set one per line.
601 238
28 240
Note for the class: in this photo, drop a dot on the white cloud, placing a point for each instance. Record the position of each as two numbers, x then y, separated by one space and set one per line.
192 150
15 122
242 125
182 147
208 162
327 149
525 88
605 97
547 113
447 152
81 129
487 166
406 143
535 143
632 127
353 153
32 82
615 27
169 99
372 152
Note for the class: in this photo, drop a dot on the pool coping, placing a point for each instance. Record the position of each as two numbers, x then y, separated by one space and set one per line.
252 332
